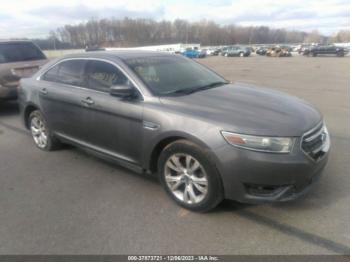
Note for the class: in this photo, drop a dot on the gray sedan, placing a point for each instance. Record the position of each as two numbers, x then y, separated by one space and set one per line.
157 113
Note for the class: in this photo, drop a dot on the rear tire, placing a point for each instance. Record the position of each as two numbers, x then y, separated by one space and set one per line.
189 176
42 135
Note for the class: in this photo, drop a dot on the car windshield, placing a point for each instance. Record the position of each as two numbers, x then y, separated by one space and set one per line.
170 75
17 52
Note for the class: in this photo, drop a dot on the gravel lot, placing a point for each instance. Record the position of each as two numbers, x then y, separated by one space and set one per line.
68 202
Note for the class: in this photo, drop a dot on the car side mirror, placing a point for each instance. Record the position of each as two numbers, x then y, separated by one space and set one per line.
122 91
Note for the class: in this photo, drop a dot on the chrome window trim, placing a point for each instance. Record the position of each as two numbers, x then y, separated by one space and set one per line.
91 59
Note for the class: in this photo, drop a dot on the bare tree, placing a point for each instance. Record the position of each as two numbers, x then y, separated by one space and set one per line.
314 37
135 32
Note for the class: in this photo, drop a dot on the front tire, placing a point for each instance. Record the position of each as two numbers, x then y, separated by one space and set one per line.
42 135
189 176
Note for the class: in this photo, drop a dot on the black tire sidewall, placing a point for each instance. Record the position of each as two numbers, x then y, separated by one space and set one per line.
52 142
215 191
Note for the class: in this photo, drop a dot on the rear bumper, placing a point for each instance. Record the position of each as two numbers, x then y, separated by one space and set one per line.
8 93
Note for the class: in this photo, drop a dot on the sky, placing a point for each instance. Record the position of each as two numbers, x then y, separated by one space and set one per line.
35 18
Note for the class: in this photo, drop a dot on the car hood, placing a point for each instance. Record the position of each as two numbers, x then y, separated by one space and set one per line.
248 109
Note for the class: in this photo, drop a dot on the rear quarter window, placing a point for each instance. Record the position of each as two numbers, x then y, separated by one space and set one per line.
18 52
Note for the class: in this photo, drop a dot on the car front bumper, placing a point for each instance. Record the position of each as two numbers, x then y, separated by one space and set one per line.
256 177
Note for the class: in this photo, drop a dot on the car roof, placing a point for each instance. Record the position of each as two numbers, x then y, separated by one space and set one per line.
5 41
121 54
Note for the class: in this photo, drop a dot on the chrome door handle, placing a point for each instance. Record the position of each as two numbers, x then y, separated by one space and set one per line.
88 101
43 91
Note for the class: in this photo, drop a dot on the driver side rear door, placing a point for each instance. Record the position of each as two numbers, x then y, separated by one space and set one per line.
61 91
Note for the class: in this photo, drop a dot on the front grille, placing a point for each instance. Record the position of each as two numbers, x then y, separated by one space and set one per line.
314 141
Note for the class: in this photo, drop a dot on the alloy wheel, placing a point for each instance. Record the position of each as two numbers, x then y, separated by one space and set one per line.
186 178
39 132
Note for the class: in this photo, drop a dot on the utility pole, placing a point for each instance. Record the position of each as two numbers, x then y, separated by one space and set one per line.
54 42
186 33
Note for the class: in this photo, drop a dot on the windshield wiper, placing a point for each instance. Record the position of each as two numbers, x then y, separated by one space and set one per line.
186 91
212 85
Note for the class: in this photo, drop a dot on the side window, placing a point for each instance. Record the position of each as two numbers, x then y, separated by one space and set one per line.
18 52
52 74
72 72
67 72
101 76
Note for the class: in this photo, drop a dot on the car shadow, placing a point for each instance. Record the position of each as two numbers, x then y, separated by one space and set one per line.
268 215
274 223
327 56
109 162
231 206
9 108
320 196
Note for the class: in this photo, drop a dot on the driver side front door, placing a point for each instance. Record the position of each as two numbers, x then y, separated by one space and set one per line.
114 124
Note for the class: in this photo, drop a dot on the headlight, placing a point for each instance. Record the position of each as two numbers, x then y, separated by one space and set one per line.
260 143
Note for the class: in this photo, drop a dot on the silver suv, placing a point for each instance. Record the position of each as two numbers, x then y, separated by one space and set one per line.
17 59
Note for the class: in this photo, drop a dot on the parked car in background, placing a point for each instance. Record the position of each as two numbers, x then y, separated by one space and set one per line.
261 50
295 48
251 49
209 51
325 50
217 52
278 52
302 48
193 53
236 51
285 48
17 59
163 114
205 51
223 50
202 54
